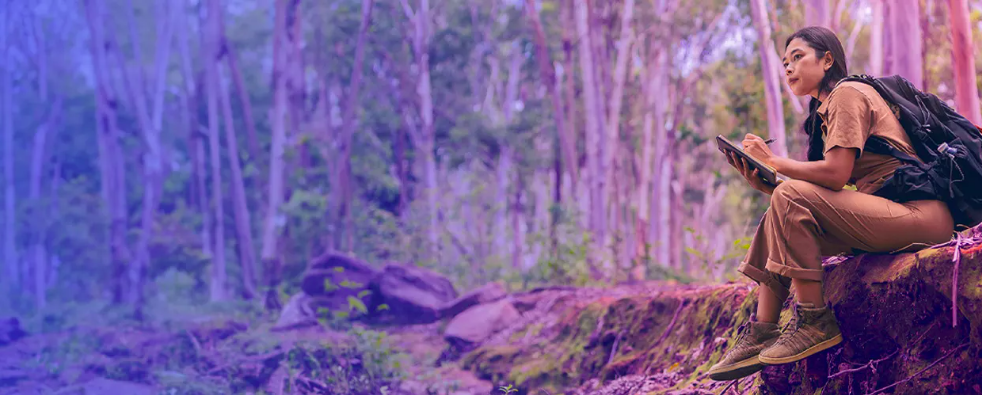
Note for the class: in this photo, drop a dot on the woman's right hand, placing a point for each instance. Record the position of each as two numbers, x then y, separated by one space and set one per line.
750 174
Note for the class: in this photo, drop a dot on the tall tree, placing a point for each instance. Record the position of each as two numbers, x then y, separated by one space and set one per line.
423 137
196 143
285 18
903 47
876 31
772 80
39 154
592 110
963 62
817 13
112 167
240 209
210 47
565 152
149 115
613 117
6 101
342 188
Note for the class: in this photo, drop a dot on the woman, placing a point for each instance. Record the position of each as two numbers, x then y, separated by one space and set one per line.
811 215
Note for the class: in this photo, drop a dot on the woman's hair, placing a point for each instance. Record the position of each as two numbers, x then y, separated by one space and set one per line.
823 41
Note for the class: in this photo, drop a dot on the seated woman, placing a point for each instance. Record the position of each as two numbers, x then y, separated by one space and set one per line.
812 215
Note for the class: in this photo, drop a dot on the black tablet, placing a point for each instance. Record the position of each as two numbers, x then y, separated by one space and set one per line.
767 173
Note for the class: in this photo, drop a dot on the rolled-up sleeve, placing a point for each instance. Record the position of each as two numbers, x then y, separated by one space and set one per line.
847 119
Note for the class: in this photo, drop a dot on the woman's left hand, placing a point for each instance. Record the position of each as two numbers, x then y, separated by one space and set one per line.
755 146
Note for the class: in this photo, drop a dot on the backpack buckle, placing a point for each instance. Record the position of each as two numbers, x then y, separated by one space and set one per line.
944 148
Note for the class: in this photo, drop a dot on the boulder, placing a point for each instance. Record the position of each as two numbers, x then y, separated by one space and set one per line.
333 278
412 295
347 275
485 294
10 331
473 326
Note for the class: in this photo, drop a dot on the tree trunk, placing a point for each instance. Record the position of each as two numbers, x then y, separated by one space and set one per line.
903 49
252 142
772 82
149 117
548 77
210 49
569 105
38 158
9 245
196 149
112 164
963 62
817 13
243 221
876 31
616 97
342 189
286 13
653 124
594 133
240 206
424 138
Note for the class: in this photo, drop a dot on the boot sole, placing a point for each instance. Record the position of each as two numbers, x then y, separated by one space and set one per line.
825 345
738 370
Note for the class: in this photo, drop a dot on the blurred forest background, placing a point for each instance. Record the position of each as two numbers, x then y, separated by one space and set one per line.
163 152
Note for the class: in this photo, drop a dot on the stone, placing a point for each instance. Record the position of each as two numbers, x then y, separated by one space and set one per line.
485 294
336 277
412 295
473 326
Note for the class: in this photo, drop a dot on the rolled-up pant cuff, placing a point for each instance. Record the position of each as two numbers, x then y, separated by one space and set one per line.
794 272
765 279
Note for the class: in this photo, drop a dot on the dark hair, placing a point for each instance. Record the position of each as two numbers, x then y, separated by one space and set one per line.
823 41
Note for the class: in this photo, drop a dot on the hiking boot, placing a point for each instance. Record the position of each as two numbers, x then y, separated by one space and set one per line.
814 330
741 360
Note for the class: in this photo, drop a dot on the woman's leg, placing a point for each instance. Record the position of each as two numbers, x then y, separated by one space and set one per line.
768 305
805 218
807 291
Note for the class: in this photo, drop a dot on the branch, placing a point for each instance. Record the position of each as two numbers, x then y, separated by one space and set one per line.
869 365
406 8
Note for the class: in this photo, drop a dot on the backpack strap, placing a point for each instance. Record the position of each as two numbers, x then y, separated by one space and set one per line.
878 145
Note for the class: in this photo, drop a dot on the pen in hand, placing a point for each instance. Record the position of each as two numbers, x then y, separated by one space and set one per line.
768 141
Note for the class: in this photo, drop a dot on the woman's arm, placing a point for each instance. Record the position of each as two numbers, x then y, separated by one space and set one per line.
833 172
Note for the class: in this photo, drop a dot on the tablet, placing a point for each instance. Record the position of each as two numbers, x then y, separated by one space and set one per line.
767 173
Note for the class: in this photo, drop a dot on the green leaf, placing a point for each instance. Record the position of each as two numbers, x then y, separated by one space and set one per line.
356 304
364 293
341 314
382 307
339 269
329 285
351 284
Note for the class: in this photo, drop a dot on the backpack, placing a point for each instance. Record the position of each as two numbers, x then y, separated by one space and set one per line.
949 147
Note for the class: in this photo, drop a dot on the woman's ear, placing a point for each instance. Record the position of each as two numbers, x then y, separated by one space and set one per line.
828 60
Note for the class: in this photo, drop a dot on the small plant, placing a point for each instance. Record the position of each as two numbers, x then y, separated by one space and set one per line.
507 389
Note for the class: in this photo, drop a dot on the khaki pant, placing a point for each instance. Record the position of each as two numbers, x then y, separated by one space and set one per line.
807 221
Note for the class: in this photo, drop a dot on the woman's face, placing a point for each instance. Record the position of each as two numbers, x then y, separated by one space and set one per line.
803 69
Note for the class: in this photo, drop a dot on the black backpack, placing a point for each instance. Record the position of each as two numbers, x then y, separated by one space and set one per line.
949 145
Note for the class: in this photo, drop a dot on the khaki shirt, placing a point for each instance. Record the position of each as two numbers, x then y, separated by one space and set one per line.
853 112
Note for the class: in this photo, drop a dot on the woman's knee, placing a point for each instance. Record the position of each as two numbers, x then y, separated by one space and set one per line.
792 190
